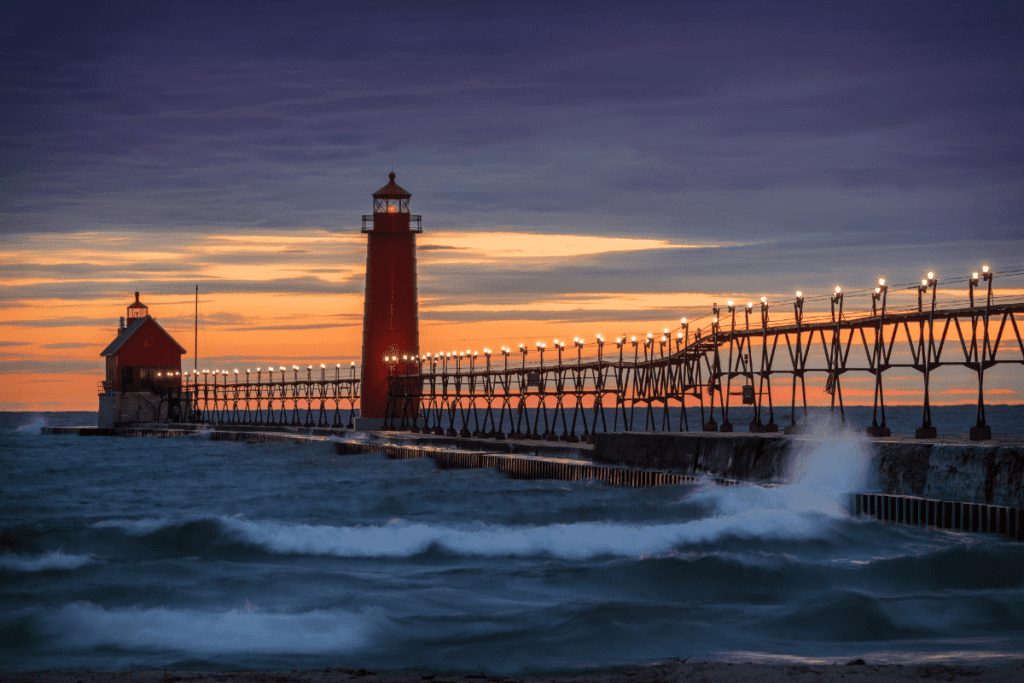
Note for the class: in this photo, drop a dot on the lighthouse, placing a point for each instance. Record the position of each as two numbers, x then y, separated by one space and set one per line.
143 382
390 309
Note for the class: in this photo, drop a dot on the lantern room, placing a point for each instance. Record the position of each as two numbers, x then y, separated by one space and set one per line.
391 210
391 198
137 309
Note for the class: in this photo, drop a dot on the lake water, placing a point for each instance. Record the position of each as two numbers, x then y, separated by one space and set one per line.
189 553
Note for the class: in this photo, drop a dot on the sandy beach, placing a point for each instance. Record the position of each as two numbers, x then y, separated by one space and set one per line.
667 672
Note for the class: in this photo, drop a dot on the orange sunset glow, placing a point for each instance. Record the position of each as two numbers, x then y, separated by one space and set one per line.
282 297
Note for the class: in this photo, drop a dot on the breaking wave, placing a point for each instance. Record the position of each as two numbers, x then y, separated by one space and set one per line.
52 561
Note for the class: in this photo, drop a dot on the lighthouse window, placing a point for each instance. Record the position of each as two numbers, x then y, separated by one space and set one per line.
391 206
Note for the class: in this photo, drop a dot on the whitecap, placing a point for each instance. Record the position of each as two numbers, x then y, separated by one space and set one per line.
51 561
573 541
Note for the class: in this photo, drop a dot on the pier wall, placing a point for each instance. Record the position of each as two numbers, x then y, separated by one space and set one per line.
962 487
992 474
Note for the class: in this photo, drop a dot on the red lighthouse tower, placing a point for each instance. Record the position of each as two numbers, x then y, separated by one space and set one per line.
390 308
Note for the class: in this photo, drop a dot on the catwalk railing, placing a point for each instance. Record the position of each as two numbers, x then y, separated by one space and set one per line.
728 359
299 397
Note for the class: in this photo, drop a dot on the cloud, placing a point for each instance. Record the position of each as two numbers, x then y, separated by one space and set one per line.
51 366
67 345
703 121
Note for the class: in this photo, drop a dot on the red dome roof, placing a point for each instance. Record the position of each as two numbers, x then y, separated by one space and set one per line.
137 304
391 190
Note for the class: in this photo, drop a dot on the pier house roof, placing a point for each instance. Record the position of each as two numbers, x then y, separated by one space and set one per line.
130 333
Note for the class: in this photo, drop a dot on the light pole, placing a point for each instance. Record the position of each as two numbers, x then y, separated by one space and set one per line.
832 383
837 300
878 298
726 424
926 430
798 315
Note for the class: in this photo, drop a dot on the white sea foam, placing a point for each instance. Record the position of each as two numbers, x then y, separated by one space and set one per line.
823 470
32 426
242 630
52 561
576 541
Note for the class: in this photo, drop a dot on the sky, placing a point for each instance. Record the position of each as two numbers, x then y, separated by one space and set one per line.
580 167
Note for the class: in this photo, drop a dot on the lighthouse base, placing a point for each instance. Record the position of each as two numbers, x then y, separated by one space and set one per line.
131 407
369 424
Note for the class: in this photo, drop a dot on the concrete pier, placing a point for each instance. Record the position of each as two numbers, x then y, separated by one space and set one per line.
990 473
947 484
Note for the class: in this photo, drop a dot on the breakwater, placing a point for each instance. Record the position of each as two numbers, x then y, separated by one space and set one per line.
948 485
988 474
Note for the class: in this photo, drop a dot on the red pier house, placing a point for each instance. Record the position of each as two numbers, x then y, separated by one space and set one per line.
143 378
390 307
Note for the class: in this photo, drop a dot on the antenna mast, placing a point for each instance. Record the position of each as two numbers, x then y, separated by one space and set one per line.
195 334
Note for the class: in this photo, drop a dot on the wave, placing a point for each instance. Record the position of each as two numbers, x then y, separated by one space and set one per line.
575 541
244 630
31 427
52 561
400 538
